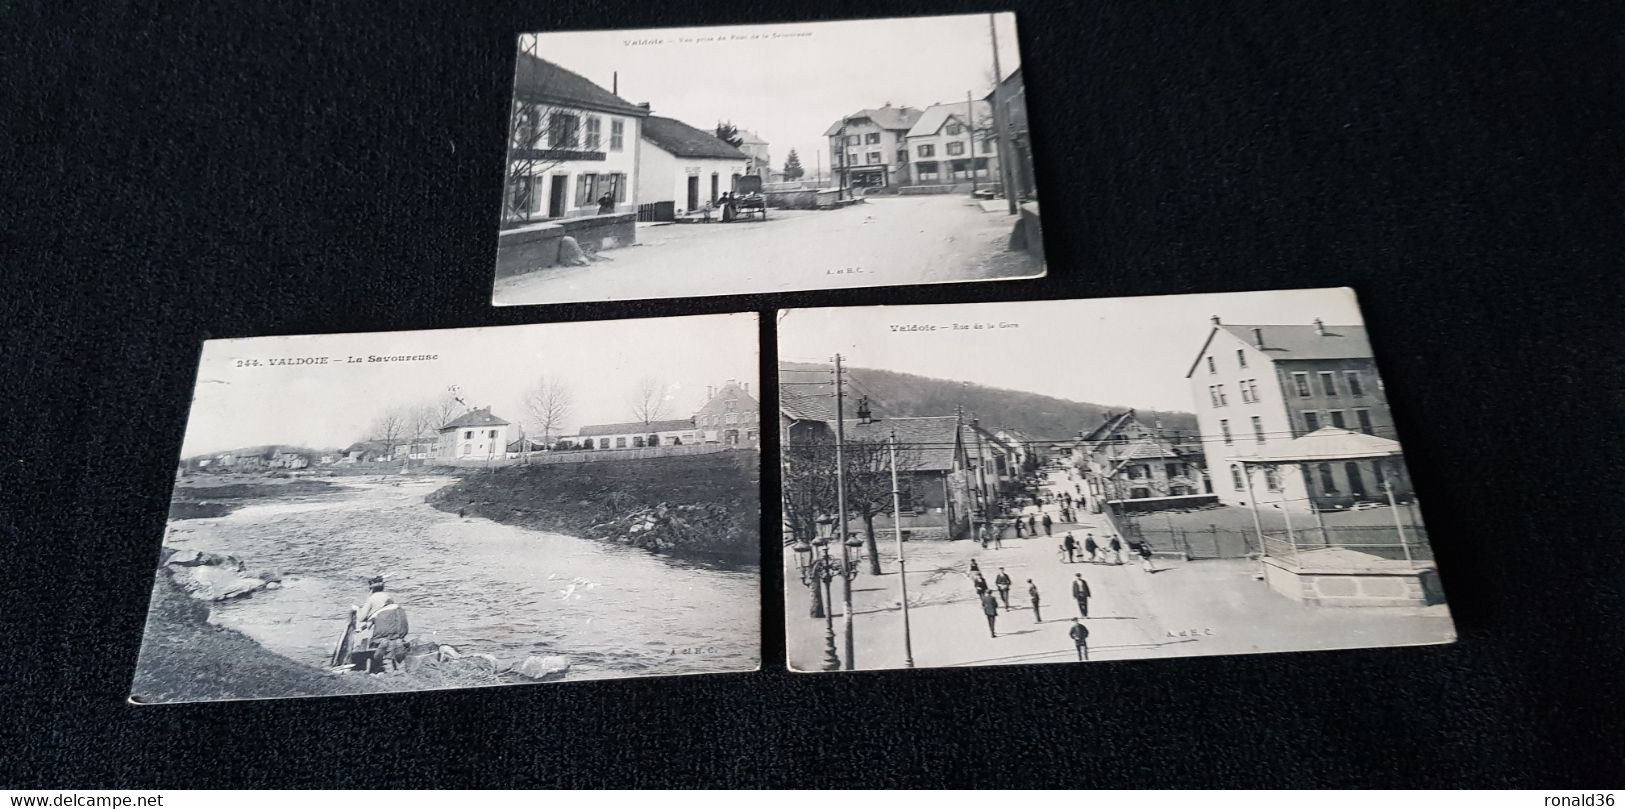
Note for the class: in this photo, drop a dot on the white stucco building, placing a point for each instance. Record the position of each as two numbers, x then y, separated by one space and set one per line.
683 167
475 435
953 143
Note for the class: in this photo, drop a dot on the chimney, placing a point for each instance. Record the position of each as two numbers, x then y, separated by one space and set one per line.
1215 319
1320 327
1258 337
745 386
615 83
710 392
644 105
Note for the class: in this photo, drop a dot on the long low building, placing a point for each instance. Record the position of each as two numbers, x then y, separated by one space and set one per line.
631 434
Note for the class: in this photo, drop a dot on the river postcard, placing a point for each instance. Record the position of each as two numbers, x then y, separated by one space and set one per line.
445 509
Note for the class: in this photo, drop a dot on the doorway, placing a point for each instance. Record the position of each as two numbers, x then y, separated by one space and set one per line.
693 193
1356 482
556 196
715 188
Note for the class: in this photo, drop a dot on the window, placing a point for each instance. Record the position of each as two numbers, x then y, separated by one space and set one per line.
987 146
1272 479
562 130
1219 399
493 433
1328 483
587 190
1379 474
617 186
1139 493
594 133
1311 421
1210 366
1300 380
1224 431
1351 470
954 128
1352 380
1138 472
926 170
956 148
852 140
851 158
1175 470
1337 419
927 150
902 155
1328 383
873 158
1241 357
620 442
1236 481
468 449
637 441
617 135
467 434
732 418
1258 429
1362 417
1249 390
872 137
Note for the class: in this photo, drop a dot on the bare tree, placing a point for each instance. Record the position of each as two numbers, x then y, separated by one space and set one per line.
446 407
542 134
389 427
547 404
649 403
808 493
869 485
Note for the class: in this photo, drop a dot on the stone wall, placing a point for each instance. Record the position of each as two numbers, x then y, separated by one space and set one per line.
1029 232
804 199
534 247
1335 588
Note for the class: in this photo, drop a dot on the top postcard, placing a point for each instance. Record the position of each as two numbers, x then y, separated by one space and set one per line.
679 162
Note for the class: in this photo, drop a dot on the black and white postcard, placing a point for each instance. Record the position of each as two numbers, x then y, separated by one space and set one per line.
679 162
355 513
1088 480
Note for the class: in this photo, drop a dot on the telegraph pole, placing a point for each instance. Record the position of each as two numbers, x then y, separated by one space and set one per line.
1005 174
902 567
970 499
970 118
840 505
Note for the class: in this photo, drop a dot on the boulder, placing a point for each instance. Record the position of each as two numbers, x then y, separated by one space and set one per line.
543 667
213 583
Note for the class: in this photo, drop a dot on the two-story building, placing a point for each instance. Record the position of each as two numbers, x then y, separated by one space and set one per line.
952 144
475 435
683 168
1258 387
571 143
730 415
1010 100
759 154
869 148
1127 464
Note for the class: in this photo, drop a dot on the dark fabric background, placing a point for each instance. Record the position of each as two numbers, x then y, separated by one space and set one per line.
187 170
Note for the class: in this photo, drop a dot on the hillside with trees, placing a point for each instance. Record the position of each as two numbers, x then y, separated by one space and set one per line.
1043 417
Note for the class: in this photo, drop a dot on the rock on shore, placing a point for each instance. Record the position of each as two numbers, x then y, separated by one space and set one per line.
214 577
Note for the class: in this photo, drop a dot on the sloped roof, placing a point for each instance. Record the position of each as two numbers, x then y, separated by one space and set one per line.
989 441
683 140
1145 449
1294 342
934 117
884 117
540 80
1108 427
635 427
929 438
1328 444
749 138
474 418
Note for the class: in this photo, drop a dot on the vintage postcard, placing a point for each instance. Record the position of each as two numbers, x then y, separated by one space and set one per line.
1062 481
677 162
400 511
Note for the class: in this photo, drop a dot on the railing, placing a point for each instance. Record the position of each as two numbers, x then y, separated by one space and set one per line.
594 455
1381 542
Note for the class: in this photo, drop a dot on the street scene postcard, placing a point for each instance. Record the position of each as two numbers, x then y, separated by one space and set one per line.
678 162
400 511
1088 480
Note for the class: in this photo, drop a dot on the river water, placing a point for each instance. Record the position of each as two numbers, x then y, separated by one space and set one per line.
477 585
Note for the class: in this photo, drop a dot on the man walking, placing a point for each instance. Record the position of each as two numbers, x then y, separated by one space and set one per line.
1080 592
1070 545
1032 593
998 536
1047 523
990 608
1091 548
1145 557
1080 639
1019 526
1117 550
1032 525
1002 581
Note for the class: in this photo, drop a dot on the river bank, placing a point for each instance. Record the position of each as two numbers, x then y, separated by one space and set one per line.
700 506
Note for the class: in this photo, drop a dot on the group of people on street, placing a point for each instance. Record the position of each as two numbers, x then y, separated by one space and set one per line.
1093 552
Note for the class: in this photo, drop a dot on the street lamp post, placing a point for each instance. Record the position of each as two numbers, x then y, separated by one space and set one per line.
902 567
817 569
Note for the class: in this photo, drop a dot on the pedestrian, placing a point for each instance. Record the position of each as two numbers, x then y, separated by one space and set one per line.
998 537
981 536
1091 549
1145 557
1032 525
1032 593
1019 526
1047 523
606 203
1070 545
1117 550
1002 581
1080 592
974 568
1080 639
980 584
990 608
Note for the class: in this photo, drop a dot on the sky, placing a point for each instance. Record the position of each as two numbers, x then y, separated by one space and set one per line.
239 404
788 82
1114 351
